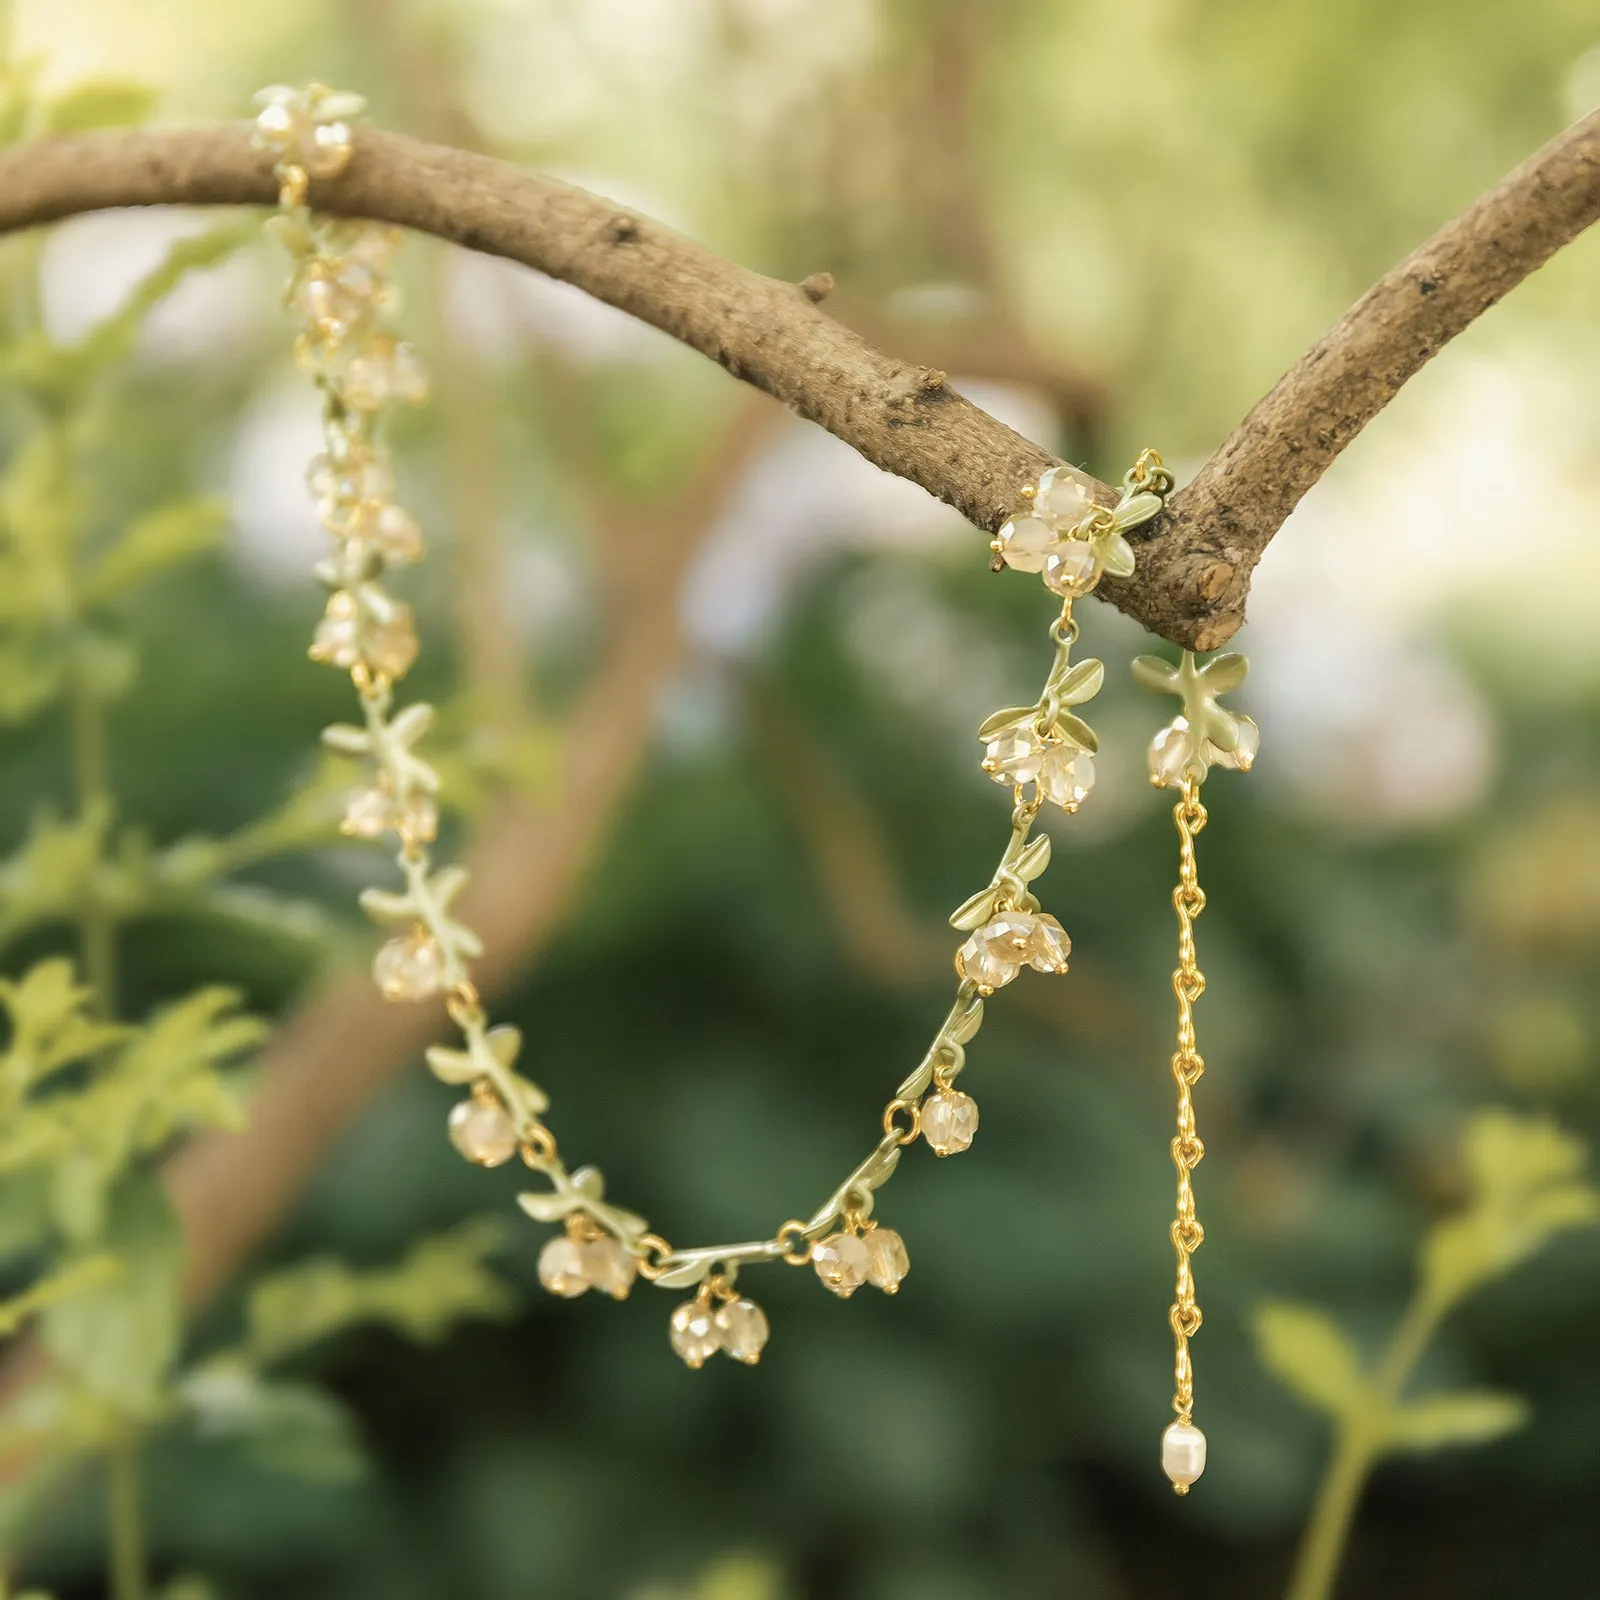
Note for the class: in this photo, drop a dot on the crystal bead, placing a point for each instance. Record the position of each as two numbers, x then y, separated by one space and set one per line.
277 126
743 1330
327 153
409 969
999 950
1172 755
1014 755
392 644
949 1121
1024 541
409 376
694 1332
609 1265
368 381
337 636
841 1262
1049 946
367 813
421 817
397 534
1183 1454
1062 499
482 1130
1066 775
887 1260
1071 568
1243 755
561 1267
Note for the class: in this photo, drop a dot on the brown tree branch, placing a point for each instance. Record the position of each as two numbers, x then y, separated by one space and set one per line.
1196 559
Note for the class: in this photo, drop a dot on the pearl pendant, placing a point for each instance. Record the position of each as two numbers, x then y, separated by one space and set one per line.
1183 1455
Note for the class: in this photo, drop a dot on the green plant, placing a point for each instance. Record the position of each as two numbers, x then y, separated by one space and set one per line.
1526 1186
91 1100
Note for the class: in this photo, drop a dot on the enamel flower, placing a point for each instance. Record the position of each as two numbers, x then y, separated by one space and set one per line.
1204 734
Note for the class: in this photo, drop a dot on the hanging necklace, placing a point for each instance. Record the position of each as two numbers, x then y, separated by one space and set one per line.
1044 753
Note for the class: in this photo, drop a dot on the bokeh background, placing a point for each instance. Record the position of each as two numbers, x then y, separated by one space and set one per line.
733 674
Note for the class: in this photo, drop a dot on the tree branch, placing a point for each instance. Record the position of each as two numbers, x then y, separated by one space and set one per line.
1196 559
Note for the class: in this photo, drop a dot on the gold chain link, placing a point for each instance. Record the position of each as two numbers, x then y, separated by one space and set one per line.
1188 983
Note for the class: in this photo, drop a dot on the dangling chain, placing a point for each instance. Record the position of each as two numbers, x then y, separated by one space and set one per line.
1042 752
1203 736
1188 983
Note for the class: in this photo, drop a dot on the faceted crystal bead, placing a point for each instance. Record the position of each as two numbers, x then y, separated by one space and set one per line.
694 1332
1024 541
392 644
328 151
841 1262
1183 1454
887 1260
1066 775
743 1329
278 125
561 1267
482 1130
1049 946
1071 568
368 381
367 813
337 637
1014 755
609 1265
1062 499
949 1121
410 377
999 950
421 816
1172 755
409 969
396 533
1242 757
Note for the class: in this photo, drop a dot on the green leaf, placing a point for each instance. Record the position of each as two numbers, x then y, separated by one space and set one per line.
53 1287
1455 1419
1307 1351
441 1281
99 103
287 1427
160 538
116 1339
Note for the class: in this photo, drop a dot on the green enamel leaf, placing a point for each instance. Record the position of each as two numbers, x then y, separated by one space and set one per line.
1082 681
1151 672
1225 673
1116 556
972 913
992 727
1076 731
1034 859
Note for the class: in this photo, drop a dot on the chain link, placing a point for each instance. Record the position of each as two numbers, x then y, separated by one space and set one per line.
1188 984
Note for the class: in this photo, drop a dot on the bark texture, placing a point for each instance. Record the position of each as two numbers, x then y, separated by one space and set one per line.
1195 560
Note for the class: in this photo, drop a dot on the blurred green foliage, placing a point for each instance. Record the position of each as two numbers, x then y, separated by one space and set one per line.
1168 202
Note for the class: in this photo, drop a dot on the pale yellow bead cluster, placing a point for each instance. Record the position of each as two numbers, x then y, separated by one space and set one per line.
341 291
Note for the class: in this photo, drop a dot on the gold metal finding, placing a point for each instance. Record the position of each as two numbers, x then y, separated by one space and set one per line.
1188 984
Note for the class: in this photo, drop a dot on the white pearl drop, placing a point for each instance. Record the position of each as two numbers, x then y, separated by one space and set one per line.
1183 1454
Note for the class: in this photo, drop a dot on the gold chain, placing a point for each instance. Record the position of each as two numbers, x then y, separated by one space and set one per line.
1188 983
